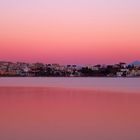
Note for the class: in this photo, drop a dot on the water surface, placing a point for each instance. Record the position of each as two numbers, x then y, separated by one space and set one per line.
112 84
53 109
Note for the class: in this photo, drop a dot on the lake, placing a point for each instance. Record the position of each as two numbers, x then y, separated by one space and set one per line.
69 108
108 84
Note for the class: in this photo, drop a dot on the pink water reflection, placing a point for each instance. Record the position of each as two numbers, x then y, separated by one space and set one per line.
68 114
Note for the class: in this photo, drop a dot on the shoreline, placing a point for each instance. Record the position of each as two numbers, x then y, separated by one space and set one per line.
69 76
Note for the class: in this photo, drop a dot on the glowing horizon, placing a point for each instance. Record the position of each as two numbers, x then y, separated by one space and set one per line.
66 32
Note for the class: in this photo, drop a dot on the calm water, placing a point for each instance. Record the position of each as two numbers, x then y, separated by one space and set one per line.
108 84
69 109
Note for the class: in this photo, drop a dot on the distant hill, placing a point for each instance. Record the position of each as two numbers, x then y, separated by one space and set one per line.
135 63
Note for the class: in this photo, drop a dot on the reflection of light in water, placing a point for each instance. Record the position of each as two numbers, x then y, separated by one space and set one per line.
68 114
118 84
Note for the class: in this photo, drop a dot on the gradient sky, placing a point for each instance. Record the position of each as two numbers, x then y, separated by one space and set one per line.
70 31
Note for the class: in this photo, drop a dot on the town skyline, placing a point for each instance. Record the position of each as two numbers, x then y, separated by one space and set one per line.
79 64
22 69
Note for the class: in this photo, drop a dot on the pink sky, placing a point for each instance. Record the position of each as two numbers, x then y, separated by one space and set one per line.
76 31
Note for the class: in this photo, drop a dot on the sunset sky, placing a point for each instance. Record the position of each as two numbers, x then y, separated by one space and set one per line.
70 31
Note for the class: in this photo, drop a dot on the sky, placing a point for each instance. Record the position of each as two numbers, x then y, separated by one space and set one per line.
70 31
